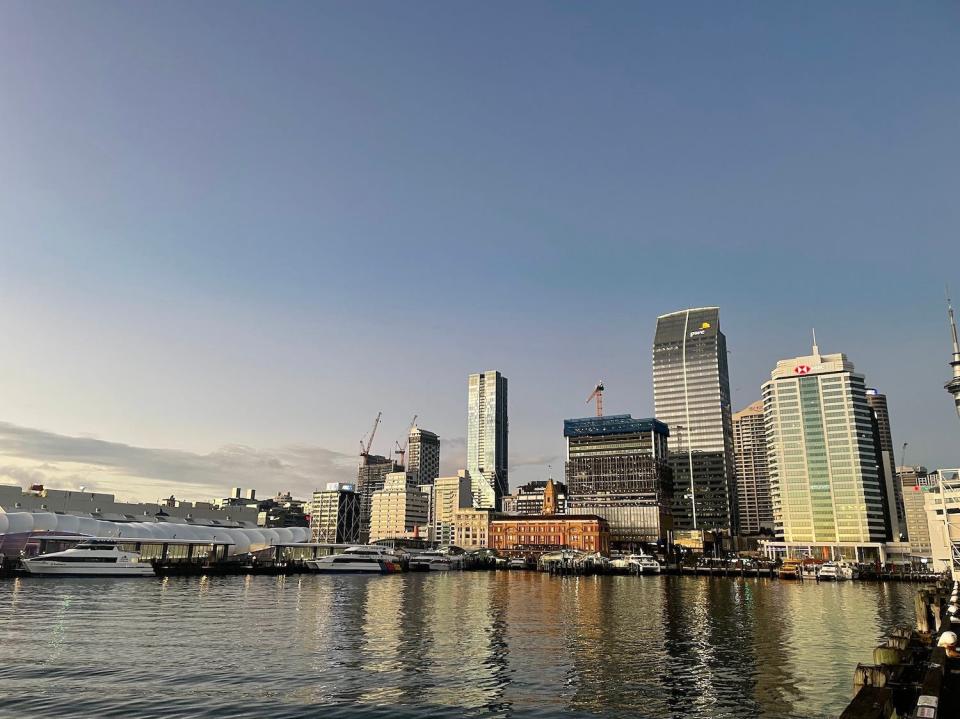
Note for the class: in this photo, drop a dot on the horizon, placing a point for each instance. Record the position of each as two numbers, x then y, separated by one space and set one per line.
232 235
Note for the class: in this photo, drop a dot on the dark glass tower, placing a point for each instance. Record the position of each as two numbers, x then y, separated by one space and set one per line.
691 390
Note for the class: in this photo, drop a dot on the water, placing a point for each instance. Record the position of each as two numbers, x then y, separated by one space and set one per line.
497 644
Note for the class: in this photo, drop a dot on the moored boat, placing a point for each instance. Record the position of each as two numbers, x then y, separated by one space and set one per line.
364 559
790 569
433 560
90 558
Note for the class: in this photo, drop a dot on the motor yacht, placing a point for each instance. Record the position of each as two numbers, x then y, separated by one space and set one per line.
836 571
366 559
433 560
790 569
643 564
91 558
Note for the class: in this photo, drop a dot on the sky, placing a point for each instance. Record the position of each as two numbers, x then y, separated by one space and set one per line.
233 232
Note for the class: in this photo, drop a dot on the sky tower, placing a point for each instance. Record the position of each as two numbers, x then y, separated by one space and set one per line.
953 386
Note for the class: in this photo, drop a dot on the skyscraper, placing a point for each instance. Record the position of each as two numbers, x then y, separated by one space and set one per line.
883 441
335 515
617 468
691 390
823 468
487 438
753 476
423 455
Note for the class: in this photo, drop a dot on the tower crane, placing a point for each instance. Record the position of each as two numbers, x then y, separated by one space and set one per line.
598 394
402 451
365 448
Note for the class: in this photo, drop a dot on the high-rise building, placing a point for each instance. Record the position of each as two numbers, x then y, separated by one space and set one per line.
691 390
423 455
335 515
400 509
753 476
914 482
617 468
370 478
883 441
487 438
450 495
823 468
529 499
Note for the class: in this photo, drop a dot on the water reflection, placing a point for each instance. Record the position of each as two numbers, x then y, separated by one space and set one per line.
448 645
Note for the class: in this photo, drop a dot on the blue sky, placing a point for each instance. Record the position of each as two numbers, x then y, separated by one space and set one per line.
241 229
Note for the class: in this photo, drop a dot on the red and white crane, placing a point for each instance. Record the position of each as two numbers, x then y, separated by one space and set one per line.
598 395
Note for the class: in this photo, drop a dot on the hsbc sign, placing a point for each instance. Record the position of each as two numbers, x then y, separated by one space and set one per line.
802 369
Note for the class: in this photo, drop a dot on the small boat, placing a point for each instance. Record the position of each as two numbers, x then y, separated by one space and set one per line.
364 559
517 563
433 560
90 558
644 564
836 571
790 569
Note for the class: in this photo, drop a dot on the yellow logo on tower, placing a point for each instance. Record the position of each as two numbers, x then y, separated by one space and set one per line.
705 326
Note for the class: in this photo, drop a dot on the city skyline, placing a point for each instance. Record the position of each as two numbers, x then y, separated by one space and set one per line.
202 254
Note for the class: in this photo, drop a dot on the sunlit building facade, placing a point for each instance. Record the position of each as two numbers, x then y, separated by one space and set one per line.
487 433
753 475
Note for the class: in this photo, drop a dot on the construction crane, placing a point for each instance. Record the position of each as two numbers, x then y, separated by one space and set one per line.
402 451
598 394
365 448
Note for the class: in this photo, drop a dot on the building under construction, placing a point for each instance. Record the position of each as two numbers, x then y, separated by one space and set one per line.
616 468
370 478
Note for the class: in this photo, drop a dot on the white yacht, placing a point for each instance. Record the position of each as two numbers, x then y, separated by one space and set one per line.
366 559
433 560
836 571
91 558
643 564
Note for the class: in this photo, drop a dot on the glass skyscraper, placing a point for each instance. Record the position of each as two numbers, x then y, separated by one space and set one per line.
487 438
823 467
691 390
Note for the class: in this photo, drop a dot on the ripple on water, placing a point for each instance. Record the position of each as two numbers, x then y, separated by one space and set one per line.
439 645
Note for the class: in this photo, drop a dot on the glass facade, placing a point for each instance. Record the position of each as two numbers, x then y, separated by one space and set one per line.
753 476
487 438
691 389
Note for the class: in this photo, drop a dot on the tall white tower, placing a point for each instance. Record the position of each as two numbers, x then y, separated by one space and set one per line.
953 386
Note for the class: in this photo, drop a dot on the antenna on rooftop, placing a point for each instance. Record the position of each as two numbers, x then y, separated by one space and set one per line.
816 350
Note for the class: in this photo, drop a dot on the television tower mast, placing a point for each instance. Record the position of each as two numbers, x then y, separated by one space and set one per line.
953 386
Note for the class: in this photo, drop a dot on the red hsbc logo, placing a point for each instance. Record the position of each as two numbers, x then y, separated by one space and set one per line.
802 369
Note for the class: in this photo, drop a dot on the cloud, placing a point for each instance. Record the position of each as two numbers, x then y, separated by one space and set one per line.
33 456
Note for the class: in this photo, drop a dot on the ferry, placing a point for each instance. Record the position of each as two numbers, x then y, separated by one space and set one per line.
90 558
365 559
790 569
433 560
643 564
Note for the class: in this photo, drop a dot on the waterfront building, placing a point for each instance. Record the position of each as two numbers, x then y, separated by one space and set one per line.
398 510
914 483
471 528
335 515
534 535
617 468
823 470
944 495
487 432
370 478
450 495
100 505
691 390
423 455
883 448
753 475
529 499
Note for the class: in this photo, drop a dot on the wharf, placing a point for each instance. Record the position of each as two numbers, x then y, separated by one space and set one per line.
912 676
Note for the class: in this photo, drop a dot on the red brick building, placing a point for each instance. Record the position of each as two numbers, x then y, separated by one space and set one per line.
528 535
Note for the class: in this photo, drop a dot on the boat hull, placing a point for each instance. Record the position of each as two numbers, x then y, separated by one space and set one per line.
75 569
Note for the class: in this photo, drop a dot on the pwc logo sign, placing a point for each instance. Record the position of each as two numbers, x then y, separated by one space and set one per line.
802 369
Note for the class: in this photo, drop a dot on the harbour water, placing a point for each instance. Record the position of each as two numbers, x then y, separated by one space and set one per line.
497 644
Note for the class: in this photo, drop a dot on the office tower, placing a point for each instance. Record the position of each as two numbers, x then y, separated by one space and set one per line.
398 510
423 455
753 477
335 515
691 391
487 438
370 478
617 468
883 448
531 497
823 468
953 386
450 495
914 482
